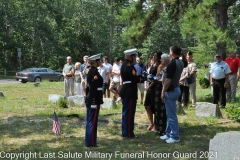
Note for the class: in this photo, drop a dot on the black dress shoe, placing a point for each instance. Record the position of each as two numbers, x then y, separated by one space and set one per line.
93 146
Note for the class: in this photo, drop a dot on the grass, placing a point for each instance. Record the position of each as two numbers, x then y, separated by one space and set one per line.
26 123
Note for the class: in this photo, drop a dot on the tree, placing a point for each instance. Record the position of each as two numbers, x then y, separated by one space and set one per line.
208 24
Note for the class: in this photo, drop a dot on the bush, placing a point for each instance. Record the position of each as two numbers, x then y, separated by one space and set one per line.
204 82
63 103
233 113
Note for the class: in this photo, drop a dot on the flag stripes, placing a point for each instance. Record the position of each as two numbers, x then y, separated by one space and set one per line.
56 124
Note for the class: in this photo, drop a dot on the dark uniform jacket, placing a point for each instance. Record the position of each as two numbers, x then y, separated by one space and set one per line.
94 81
129 73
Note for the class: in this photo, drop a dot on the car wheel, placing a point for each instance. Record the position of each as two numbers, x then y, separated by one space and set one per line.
61 78
37 79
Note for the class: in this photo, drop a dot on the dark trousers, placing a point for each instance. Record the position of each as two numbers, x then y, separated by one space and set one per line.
91 126
184 96
219 91
128 114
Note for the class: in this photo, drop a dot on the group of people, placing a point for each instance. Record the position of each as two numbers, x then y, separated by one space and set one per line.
162 94
173 71
224 76
78 74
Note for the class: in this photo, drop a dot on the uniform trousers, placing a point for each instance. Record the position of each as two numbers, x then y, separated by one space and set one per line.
219 90
68 86
128 114
91 126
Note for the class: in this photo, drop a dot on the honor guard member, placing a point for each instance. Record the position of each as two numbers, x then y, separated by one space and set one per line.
128 93
93 100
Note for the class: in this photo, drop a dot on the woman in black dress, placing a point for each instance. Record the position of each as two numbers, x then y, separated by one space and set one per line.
150 91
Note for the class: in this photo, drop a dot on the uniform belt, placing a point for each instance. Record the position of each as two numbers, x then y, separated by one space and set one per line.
233 73
69 76
99 89
127 82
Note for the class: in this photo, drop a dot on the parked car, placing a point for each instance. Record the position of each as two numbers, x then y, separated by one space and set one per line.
38 74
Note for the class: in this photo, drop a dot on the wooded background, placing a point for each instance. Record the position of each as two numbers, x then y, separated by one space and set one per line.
49 30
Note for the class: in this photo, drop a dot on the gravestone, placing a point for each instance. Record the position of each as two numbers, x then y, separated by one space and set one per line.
225 146
36 84
54 97
205 109
1 94
108 103
77 100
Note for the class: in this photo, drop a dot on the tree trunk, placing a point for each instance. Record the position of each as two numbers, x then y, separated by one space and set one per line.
111 32
221 22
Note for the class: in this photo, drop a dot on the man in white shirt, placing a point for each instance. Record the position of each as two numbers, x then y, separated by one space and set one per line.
109 66
104 72
115 84
218 79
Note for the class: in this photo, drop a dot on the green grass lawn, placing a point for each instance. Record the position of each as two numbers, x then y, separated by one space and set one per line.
26 123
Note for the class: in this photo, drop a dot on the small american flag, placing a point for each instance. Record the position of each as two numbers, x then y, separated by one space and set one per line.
56 124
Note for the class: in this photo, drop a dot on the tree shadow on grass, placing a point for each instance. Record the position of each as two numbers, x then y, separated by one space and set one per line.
33 133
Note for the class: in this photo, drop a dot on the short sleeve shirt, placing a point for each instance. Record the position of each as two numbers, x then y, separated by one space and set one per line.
233 64
67 68
103 72
219 70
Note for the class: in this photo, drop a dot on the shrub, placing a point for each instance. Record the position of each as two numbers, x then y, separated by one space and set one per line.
204 82
63 103
233 113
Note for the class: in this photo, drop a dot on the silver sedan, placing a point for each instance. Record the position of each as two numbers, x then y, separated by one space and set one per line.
38 74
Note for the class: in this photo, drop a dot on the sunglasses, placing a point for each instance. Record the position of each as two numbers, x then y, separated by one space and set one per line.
218 56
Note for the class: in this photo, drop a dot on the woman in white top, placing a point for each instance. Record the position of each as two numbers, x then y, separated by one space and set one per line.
77 79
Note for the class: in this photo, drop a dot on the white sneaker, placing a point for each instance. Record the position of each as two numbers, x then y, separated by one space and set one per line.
118 99
170 140
165 137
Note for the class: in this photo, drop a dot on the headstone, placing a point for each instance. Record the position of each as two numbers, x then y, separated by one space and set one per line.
205 109
36 84
54 97
225 146
108 103
1 94
77 99
207 75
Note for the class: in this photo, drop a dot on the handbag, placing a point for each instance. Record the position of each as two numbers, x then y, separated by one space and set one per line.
190 79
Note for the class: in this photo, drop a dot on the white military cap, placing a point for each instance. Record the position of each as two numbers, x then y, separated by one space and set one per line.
131 51
95 57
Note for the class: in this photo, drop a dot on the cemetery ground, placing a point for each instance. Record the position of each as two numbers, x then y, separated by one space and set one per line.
26 127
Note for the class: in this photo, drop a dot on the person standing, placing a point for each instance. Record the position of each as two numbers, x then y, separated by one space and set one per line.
192 69
184 96
171 92
149 102
93 100
128 93
140 69
77 79
83 75
234 65
104 72
160 109
219 73
115 83
68 73
109 66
